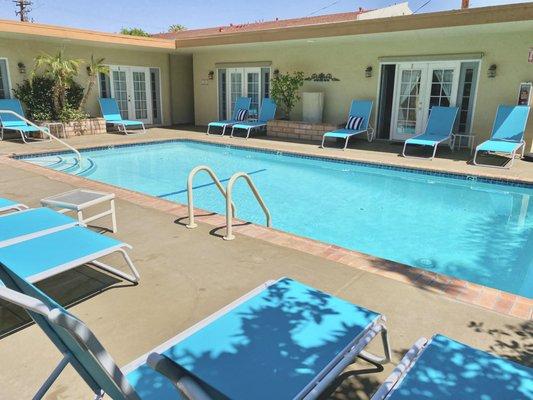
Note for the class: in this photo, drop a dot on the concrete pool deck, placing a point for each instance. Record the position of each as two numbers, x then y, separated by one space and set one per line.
188 274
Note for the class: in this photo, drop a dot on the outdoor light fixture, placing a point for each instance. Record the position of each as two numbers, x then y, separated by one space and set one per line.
22 67
211 75
491 73
368 72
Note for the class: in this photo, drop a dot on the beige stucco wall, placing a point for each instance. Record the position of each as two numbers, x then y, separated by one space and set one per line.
25 50
347 57
181 89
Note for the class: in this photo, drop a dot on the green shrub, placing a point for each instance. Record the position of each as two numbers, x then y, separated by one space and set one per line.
69 113
37 96
284 90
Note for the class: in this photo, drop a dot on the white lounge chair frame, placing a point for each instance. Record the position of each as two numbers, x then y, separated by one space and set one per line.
435 146
122 128
13 208
401 370
369 136
512 154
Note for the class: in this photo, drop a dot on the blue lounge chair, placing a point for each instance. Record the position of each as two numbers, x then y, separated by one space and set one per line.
438 129
10 122
283 340
7 205
30 223
359 108
268 112
42 256
443 369
242 103
111 114
507 133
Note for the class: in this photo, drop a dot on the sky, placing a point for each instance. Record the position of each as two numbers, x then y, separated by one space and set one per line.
157 15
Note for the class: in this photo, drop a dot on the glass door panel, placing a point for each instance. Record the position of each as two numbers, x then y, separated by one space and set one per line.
236 89
141 105
129 87
407 118
253 90
419 87
120 91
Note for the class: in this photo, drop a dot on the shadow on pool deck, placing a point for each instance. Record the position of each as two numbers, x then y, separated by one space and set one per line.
188 274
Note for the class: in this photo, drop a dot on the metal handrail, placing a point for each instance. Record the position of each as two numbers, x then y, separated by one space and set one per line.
229 202
190 203
78 155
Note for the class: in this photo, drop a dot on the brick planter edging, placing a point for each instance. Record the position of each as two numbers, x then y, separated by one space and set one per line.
463 291
298 129
88 126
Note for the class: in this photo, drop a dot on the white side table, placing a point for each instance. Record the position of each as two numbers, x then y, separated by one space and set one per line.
458 144
62 134
79 200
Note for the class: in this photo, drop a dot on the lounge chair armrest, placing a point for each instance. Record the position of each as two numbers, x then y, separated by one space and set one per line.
24 301
179 378
401 370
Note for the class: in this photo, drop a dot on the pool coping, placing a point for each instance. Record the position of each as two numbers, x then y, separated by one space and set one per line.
452 288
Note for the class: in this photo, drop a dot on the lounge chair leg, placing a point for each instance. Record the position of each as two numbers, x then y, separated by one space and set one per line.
434 151
404 147
232 130
131 278
346 143
52 378
376 360
208 127
248 133
475 155
323 140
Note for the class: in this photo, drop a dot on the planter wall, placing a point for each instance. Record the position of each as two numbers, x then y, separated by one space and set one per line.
89 126
299 130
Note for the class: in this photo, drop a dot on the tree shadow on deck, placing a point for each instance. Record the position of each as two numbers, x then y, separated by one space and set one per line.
68 288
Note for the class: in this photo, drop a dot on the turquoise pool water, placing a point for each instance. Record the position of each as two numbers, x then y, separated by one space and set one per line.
477 231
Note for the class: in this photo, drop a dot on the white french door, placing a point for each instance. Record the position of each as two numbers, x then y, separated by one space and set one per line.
420 86
130 87
244 82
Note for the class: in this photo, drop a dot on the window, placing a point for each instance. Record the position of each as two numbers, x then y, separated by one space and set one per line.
265 92
155 92
466 96
4 81
222 94
105 91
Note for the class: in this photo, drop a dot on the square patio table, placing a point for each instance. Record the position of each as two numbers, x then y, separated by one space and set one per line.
79 200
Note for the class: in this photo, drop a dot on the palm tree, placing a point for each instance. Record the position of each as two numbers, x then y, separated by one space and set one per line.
62 70
176 28
95 67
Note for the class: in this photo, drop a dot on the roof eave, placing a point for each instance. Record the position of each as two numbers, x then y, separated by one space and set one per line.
444 19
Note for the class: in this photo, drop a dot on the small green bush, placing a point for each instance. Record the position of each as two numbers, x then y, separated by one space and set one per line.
36 95
284 90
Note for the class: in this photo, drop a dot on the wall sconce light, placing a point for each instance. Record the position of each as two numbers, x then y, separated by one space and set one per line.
211 75
491 73
368 72
21 67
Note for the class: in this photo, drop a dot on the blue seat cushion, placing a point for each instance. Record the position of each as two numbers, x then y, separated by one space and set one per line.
223 122
6 203
248 125
269 347
500 146
343 133
449 370
125 122
23 127
427 140
31 221
46 255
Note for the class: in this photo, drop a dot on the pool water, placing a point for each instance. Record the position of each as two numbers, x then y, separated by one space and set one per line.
476 231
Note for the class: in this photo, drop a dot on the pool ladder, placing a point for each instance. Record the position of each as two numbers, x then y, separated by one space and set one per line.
227 193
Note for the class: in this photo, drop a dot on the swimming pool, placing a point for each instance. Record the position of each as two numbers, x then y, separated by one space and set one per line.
474 230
